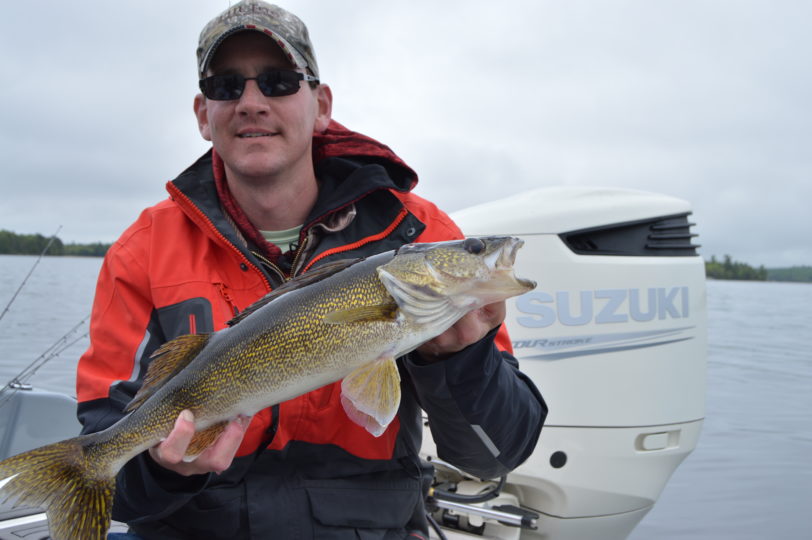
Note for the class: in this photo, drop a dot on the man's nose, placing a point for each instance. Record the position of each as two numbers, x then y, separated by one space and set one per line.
252 99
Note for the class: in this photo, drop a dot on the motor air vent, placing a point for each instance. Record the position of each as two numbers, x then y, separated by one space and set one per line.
668 236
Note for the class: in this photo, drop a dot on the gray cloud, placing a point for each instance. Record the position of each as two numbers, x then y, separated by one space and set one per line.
706 101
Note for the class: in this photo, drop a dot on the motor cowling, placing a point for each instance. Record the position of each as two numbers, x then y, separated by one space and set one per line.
615 337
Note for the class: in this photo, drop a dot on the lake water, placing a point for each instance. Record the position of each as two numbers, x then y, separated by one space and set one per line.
57 297
749 478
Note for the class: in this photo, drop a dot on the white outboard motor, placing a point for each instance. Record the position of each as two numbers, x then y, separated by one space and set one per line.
614 335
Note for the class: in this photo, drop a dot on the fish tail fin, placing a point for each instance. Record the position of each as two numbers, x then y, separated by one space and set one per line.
61 479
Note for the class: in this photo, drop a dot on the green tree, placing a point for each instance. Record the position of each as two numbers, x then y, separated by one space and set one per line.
12 243
730 269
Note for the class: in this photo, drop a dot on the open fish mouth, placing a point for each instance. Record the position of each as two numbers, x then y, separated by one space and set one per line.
509 258
506 256
503 258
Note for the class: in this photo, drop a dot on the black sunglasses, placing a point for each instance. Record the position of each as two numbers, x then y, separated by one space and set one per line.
273 83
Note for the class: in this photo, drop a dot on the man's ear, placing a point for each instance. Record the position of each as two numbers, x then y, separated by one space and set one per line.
324 113
202 114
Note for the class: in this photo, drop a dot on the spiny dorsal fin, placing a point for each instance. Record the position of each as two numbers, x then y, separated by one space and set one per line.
371 394
167 361
381 312
313 276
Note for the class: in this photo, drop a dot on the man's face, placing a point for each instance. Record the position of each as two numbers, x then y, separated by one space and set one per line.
261 138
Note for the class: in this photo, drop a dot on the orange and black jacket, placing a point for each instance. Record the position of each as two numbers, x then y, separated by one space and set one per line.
304 470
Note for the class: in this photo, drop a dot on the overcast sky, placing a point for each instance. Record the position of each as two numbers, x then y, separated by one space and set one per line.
704 100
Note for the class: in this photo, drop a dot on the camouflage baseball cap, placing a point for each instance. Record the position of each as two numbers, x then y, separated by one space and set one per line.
285 28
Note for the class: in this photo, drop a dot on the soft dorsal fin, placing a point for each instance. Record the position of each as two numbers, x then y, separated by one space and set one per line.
317 274
202 440
167 361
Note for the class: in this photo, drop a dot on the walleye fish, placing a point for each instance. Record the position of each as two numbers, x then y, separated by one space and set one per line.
341 321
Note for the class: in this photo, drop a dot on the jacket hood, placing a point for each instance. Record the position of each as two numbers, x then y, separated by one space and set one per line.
338 141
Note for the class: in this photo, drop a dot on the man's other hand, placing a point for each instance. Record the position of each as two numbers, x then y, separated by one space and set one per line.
216 458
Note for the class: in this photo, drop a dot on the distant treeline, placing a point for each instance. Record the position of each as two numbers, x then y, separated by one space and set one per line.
32 244
730 269
796 273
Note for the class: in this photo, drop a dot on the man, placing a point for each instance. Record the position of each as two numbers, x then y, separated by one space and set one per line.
285 189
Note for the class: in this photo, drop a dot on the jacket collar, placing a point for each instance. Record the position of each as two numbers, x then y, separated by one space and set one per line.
349 167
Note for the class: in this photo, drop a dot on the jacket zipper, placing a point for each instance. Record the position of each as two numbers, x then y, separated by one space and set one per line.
268 264
294 267
294 270
197 211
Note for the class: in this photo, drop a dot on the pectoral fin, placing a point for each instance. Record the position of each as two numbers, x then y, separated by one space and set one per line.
371 395
382 312
419 303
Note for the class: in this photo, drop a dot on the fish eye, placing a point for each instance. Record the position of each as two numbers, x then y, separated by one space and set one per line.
473 245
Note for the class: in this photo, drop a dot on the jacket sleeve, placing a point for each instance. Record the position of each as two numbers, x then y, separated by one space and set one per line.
123 334
484 414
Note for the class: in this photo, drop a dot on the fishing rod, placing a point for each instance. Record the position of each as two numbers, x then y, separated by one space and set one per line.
41 255
20 381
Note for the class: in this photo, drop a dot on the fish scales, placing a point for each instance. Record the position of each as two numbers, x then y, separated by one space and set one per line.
295 346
